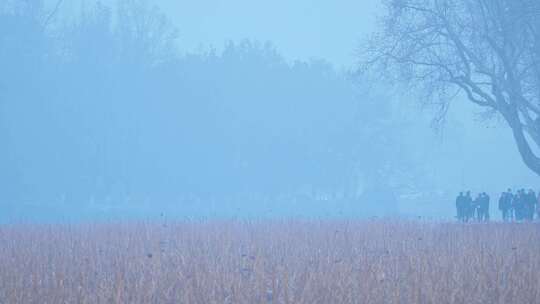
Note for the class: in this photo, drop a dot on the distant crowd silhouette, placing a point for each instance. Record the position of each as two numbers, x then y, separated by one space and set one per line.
520 206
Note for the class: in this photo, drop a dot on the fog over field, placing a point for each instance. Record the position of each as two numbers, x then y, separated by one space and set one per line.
255 151
138 109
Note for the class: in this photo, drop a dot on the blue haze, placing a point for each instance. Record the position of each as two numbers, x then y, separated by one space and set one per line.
121 111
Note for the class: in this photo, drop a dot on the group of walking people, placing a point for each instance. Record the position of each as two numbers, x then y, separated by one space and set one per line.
470 209
520 206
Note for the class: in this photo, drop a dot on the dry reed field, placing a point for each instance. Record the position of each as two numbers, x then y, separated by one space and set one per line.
270 262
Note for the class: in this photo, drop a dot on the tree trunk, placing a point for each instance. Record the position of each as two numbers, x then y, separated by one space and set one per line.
529 158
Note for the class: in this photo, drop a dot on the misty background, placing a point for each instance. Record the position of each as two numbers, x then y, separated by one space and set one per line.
240 108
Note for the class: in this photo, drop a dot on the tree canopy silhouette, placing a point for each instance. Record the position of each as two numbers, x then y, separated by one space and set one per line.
488 50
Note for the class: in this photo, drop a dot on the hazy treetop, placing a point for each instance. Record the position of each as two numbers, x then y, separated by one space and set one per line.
301 29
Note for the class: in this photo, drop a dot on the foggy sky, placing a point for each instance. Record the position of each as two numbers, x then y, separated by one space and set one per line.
467 154
334 31
300 29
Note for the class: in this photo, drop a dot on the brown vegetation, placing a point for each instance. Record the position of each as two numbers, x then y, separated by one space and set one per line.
271 262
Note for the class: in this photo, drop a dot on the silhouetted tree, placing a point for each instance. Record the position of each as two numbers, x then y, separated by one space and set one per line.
486 49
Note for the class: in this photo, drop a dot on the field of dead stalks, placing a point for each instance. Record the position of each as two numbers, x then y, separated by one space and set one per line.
270 262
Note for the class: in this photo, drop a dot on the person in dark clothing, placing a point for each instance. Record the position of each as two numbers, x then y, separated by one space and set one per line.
511 204
538 206
460 207
519 205
530 204
468 206
484 208
505 202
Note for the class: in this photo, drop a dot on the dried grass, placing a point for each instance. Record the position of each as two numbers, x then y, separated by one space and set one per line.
271 262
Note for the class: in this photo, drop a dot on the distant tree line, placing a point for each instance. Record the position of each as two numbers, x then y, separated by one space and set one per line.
104 106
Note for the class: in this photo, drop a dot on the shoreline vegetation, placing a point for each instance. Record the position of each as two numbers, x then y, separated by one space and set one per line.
270 261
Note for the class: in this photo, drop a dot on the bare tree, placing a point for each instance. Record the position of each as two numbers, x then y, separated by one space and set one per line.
146 34
487 49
